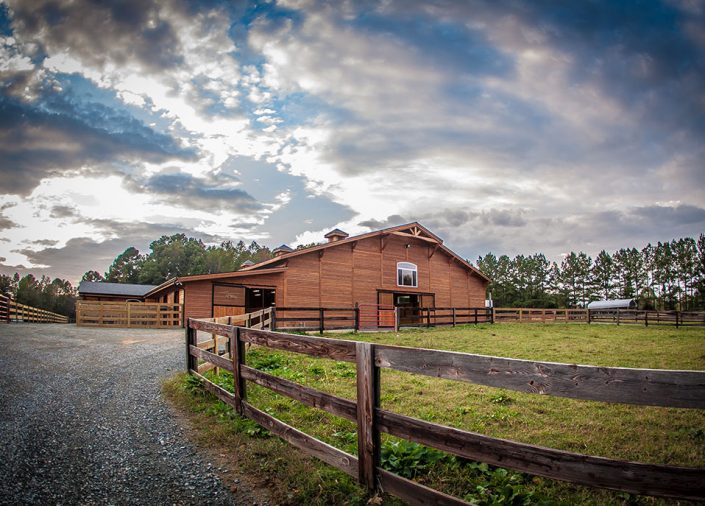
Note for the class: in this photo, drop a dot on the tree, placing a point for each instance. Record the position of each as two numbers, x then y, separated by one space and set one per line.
92 276
171 256
8 285
126 267
603 276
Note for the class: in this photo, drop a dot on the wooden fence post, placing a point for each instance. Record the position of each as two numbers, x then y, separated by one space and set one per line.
273 319
320 320
189 341
618 311
396 319
238 358
589 317
677 314
453 316
646 318
492 315
475 314
368 440
428 317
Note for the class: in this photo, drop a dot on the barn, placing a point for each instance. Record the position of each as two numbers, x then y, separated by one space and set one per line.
406 266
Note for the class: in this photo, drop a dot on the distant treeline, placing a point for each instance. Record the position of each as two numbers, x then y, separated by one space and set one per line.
57 295
178 255
669 275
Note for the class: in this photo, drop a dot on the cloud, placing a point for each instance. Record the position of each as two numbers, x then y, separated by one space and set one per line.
103 34
5 222
390 221
36 143
214 193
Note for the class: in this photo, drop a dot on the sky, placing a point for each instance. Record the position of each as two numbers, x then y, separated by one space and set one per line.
504 126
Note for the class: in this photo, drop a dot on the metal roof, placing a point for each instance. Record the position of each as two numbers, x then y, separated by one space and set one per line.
122 289
612 304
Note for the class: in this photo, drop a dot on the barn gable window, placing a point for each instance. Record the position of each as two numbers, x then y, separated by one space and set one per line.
407 274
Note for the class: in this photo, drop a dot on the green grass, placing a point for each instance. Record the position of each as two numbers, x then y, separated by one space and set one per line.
637 433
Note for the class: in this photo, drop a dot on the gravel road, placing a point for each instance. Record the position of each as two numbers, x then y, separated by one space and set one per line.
82 420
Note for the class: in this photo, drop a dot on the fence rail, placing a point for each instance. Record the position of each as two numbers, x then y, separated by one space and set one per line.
12 311
684 389
370 316
128 314
616 316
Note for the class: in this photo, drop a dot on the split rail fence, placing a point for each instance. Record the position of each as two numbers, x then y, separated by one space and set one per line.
679 389
12 311
128 314
370 316
616 316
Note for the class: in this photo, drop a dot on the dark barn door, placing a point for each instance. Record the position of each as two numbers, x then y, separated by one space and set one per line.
258 298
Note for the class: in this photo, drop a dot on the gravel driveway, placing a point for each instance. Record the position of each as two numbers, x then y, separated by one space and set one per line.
82 420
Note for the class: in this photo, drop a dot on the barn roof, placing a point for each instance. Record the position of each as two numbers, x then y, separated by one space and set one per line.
118 289
412 230
612 304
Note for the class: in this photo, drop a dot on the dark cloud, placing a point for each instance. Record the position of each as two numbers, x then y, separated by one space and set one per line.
116 32
36 143
45 242
61 211
214 193
390 221
6 222
81 254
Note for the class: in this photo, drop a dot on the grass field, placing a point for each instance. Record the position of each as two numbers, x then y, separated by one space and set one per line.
638 433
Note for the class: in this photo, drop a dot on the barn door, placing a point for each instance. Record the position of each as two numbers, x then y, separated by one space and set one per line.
427 301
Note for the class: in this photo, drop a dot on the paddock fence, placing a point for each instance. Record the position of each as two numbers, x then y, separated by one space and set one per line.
12 311
614 316
128 314
649 387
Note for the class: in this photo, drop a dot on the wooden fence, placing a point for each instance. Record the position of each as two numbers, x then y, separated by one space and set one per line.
373 317
12 311
681 389
616 316
128 314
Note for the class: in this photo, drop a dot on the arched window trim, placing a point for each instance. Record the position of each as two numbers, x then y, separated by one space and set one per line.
407 274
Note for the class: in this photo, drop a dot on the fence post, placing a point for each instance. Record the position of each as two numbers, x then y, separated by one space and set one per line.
189 340
453 316
521 312
677 314
368 440
492 315
646 318
428 318
273 319
238 358
589 317
396 319
618 311
320 320
357 317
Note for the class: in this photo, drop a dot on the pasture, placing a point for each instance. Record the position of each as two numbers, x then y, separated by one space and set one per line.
637 433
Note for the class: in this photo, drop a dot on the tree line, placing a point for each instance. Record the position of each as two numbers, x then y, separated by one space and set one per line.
668 275
178 255
57 295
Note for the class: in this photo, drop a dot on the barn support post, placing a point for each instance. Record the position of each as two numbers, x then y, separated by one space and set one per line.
357 317
368 438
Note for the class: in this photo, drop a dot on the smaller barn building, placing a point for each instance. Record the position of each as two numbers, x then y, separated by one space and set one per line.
612 304
113 292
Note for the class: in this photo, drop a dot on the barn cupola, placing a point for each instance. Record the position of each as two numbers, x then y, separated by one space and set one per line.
247 263
282 250
336 235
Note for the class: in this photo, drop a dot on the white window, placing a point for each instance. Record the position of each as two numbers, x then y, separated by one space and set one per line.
406 274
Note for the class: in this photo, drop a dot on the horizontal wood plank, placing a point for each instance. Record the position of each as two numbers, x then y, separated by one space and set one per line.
309 396
217 360
415 493
653 387
323 451
648 479
211 327
335 349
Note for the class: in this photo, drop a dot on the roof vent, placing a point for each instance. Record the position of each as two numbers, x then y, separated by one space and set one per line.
336 235
282 250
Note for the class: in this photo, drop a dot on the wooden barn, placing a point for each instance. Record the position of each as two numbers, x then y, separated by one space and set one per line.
405 266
